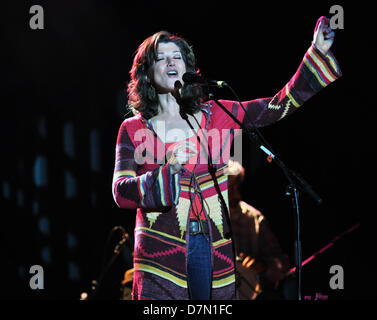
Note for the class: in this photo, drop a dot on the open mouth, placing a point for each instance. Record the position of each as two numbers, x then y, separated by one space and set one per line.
172 73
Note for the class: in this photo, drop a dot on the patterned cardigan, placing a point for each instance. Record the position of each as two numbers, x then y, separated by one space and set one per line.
143 181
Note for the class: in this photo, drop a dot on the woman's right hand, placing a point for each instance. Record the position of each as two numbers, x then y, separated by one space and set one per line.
181 154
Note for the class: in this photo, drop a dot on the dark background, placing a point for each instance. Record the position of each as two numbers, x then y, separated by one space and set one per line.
63 100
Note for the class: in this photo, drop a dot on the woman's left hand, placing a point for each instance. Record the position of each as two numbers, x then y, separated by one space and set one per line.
323 35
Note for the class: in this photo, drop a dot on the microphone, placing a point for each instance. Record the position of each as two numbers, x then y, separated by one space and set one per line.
194 78
177 96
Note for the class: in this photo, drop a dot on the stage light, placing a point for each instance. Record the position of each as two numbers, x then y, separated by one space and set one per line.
44 226
40 171
70 185
69 139
46 255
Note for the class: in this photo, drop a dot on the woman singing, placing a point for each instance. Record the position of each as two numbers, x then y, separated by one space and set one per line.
168 169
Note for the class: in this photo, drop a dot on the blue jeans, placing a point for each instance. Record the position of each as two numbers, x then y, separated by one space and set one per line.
199 267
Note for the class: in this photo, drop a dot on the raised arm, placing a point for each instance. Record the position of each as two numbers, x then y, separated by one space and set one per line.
317 70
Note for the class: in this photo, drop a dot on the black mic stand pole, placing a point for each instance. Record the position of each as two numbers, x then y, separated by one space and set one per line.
97 283
295 182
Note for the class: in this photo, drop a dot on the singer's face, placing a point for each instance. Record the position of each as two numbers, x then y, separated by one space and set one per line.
168 68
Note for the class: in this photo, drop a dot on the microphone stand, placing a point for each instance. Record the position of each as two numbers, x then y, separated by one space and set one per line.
295 183
97 283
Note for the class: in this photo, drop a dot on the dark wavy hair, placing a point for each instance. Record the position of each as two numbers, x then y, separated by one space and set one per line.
142 96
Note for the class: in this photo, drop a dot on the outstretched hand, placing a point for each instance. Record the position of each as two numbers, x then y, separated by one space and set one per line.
323 35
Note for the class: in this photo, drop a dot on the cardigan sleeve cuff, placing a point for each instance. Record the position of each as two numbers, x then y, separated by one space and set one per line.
324 67
167 187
